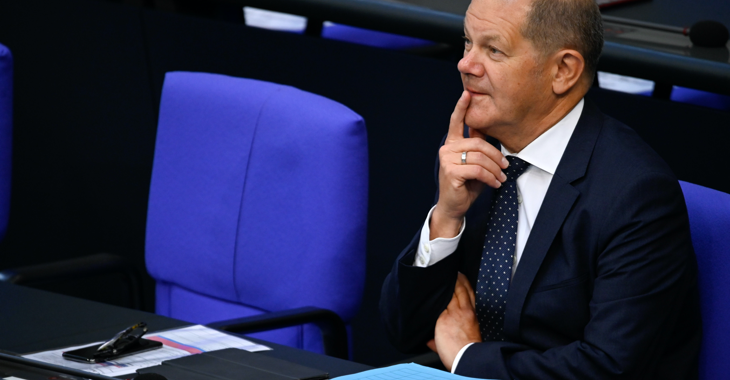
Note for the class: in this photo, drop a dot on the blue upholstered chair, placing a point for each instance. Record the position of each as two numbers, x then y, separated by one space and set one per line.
257 203
700 98
6 128
375 38
709 217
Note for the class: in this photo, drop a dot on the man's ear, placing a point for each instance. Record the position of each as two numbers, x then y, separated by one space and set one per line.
569 66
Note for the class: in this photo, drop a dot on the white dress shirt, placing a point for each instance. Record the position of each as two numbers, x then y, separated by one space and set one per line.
543 154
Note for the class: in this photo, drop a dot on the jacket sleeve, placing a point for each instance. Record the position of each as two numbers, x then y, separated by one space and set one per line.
413 297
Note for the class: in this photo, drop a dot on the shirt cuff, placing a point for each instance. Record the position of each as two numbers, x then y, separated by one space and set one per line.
458 357
431 252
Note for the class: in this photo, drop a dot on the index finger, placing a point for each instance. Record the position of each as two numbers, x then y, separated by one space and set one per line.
456 124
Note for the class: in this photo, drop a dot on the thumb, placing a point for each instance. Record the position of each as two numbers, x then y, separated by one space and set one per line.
432 345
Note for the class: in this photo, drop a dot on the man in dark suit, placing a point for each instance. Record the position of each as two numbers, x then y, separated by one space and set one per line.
559 246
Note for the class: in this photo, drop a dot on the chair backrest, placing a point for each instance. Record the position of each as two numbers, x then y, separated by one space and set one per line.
258 202
709 217
373 38
6 133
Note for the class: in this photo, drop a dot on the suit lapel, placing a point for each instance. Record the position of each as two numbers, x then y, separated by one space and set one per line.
559 200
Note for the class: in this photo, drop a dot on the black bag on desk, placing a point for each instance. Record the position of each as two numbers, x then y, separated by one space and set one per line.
233 364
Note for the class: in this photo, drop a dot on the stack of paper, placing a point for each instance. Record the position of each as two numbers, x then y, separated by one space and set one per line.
176 343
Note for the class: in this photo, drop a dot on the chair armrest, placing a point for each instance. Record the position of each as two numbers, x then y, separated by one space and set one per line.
334 333
87 266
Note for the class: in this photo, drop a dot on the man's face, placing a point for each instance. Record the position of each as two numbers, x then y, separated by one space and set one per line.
508 80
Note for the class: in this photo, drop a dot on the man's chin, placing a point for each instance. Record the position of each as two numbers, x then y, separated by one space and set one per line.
478 122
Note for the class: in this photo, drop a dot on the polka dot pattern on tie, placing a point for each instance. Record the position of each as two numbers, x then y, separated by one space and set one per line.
500 242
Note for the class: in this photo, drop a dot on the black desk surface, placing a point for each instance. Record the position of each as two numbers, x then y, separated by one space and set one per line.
451 6
670 12
34 320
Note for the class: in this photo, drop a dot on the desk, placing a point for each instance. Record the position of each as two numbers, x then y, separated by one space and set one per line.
670 12
442 21
34 320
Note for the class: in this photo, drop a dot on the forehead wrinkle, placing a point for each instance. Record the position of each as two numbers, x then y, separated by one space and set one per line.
515 23
489 37
493 32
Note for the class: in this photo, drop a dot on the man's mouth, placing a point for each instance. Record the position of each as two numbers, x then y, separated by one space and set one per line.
475 92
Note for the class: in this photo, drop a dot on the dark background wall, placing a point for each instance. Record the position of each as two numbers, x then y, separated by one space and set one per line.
87 85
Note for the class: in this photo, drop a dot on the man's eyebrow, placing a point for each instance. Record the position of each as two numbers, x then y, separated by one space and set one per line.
486 38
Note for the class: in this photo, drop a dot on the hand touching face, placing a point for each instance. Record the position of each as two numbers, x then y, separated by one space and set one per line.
460 183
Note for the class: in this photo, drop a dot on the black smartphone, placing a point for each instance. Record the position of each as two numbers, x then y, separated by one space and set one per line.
91 354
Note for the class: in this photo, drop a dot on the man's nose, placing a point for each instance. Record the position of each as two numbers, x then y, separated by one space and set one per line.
469 65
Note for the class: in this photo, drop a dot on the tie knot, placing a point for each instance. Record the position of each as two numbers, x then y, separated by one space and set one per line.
517 166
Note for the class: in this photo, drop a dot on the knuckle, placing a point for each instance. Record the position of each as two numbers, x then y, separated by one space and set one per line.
444 150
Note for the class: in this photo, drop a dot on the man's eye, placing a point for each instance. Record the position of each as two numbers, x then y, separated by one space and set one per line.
467 41
494 50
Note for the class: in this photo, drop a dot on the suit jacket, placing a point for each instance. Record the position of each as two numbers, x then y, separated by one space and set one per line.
606 286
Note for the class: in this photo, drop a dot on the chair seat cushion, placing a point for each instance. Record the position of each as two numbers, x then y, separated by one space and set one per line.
176 302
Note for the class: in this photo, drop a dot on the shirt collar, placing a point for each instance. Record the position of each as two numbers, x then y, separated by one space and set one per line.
547 149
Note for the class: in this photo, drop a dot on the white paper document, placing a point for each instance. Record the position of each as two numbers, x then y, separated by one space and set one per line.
176 343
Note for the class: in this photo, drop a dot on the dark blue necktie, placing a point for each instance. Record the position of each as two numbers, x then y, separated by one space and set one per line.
498 255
